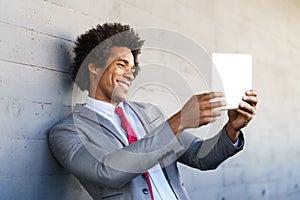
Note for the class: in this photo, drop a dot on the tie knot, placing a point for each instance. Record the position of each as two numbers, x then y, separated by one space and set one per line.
119 111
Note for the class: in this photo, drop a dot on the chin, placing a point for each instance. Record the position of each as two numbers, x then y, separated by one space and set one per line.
119 95
119 98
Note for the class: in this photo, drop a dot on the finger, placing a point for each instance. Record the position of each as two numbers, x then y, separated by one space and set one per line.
252 100
215 113
208 120
212 105
245 114
251 93
211 95
218 104
210 113
247 107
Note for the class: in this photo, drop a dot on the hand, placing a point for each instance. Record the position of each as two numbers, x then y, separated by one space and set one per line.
240 118
199 110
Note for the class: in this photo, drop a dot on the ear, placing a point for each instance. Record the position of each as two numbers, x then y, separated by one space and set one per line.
92 69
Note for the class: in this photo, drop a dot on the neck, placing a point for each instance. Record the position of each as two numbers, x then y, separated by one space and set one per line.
100 98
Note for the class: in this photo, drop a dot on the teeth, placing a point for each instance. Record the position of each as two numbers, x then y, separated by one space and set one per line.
124 85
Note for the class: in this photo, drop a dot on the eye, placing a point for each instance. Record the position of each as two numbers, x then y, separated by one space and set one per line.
133 69
121 65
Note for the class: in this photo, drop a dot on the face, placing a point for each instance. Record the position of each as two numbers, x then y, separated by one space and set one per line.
115 79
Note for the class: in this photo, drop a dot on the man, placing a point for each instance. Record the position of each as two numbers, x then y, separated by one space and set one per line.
127 150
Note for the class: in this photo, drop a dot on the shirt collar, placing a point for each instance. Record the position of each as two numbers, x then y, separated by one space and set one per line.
101 107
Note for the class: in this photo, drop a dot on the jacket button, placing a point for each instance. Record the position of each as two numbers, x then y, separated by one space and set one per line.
145 191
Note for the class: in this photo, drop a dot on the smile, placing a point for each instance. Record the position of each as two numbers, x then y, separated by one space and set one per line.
125 85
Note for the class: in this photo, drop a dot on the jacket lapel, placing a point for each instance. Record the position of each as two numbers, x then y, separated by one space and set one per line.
148 114
146 121
103 122
169 167
141 115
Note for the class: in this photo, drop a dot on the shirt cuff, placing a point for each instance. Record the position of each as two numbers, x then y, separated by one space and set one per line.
236 143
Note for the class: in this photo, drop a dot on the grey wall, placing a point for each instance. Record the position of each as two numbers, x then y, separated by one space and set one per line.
36 38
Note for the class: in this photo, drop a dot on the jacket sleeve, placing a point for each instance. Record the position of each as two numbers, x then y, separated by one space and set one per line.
210 153
107 164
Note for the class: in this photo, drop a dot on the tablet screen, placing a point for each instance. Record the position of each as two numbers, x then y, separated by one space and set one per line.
232 74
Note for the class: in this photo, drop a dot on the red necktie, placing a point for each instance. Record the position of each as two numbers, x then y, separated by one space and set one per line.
131 139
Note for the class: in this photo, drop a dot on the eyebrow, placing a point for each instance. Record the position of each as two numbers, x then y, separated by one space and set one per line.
123 60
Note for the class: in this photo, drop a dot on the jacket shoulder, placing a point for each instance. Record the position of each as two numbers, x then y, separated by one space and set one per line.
144 107
148 113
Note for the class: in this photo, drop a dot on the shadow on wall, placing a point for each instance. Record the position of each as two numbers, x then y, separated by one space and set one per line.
60 185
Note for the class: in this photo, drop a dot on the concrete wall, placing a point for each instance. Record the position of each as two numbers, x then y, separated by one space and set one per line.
36 38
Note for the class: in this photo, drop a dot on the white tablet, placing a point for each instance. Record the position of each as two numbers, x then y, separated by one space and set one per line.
232 74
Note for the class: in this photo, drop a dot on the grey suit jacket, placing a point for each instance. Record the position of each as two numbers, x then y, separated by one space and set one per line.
88 146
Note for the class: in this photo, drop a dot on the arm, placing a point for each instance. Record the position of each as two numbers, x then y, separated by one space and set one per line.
198 111
208 154
240 118
107 163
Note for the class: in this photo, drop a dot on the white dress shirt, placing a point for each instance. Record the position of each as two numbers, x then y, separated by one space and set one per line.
160 187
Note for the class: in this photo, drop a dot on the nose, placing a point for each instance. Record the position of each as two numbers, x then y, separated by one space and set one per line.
128 74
